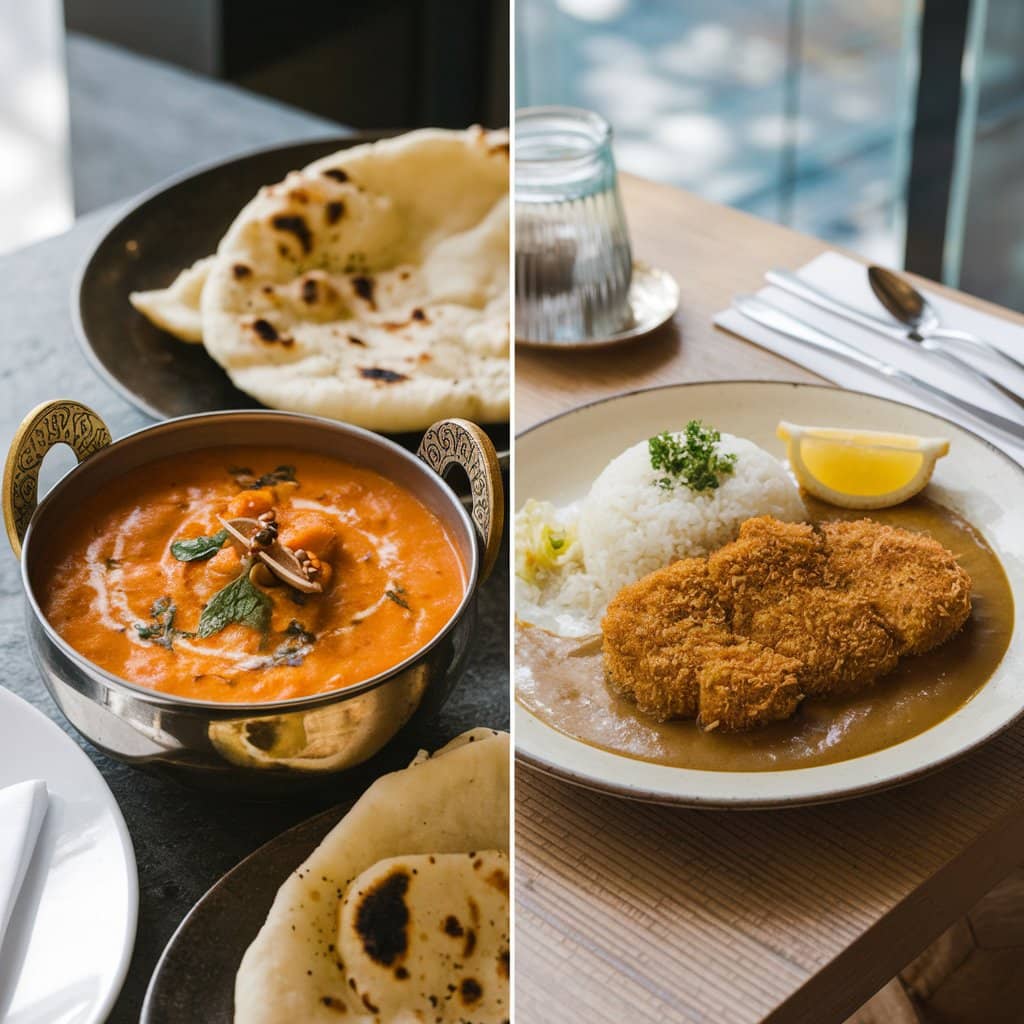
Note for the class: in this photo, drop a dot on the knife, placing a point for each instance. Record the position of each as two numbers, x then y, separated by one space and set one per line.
775 319
789 282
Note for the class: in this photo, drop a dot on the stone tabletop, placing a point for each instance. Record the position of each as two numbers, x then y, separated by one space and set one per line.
135 121
184 840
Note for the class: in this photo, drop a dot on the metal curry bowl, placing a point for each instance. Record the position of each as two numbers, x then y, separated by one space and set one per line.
250 746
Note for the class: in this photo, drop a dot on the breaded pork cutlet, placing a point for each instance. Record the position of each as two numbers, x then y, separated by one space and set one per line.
777 582
668 645
911 579
786 611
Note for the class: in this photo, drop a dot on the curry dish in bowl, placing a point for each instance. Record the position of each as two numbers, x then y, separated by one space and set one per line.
240 595
176 603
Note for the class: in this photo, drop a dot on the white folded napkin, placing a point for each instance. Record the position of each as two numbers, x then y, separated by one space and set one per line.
22 809
847 280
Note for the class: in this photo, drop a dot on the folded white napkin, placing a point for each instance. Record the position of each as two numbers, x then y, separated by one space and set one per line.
847 280
22 809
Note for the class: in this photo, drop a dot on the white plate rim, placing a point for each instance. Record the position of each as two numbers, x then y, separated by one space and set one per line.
14 705
664 785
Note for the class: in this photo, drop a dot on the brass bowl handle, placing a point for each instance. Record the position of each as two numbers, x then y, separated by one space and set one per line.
49 424
461 443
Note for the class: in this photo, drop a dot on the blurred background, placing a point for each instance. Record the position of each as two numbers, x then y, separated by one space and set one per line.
101 99
892 127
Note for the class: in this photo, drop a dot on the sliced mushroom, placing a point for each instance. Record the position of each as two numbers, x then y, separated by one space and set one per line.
281 561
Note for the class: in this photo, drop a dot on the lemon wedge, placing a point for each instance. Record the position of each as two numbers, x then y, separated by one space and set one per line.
860 468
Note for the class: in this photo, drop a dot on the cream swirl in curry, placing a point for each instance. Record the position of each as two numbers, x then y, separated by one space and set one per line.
148 584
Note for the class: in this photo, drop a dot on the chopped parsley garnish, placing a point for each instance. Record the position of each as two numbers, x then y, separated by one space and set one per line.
280 475
291 651
248 481
160 629
299 632
690 460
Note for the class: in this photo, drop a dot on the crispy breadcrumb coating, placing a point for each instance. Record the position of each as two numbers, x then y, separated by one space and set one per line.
784 612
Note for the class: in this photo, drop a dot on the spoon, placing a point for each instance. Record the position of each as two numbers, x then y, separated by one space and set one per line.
910 307
807 292
281 561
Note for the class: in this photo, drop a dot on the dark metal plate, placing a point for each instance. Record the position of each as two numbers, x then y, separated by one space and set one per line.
195 977
163 232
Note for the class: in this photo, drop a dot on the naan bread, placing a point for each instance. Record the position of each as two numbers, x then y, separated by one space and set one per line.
455 802
428 935
372 286
175 309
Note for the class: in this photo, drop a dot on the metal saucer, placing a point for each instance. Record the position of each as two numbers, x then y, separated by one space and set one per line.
653 298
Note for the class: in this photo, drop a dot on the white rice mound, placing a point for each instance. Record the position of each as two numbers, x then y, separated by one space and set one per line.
630 526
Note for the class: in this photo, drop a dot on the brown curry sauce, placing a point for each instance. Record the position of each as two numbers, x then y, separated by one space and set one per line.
561 681
392 578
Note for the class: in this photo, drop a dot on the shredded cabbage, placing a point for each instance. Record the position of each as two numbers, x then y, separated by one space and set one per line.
543 543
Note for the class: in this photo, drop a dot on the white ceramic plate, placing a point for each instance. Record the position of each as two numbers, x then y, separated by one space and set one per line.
557 460
70 938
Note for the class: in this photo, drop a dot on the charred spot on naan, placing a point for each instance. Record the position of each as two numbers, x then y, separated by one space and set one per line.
470 991
311 297
295 224
334 211
417 316
498 879
380 374
382 919
363 286
336 174
241 271
268 333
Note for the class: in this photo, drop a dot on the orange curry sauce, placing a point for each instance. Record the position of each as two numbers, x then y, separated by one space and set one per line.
392 577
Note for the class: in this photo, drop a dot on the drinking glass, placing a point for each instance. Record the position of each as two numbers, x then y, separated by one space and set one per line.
573 259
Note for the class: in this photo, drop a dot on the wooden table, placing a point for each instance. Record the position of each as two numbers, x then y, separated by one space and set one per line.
650 915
